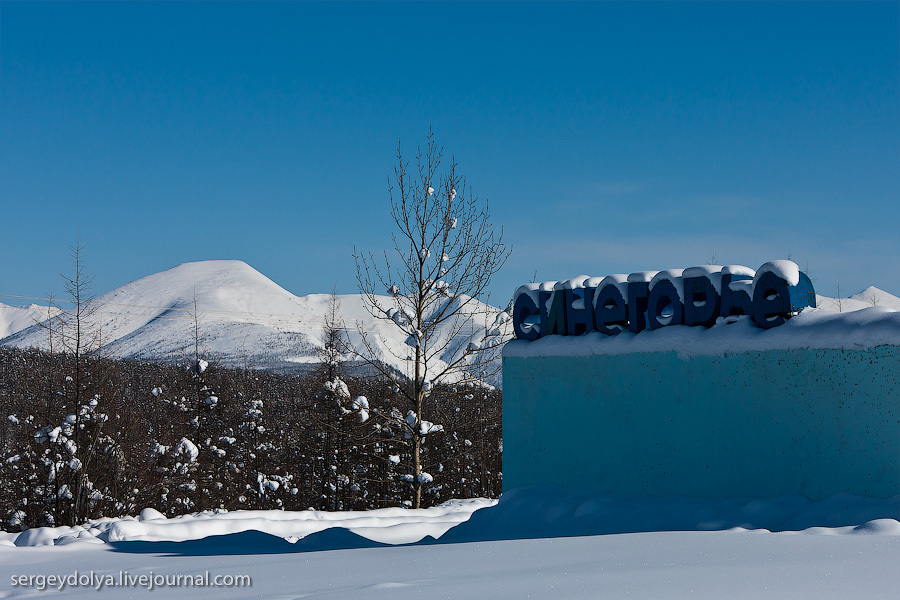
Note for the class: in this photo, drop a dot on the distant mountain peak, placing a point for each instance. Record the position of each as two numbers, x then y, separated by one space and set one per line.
244 318
877 297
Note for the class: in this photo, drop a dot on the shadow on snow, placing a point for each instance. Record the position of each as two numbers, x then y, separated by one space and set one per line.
545 511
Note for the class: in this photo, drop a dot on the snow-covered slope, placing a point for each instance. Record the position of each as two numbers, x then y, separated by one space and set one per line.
869 297
244 319
16 318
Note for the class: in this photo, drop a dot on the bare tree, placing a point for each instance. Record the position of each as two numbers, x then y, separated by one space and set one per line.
330 431
334 339
203 397
446 251
81 431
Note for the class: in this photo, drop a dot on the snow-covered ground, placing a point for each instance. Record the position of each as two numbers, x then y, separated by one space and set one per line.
537 542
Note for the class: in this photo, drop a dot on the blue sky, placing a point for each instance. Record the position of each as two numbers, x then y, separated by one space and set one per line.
607 137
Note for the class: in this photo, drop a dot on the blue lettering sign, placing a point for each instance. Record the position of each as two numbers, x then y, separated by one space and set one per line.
698 296
610 309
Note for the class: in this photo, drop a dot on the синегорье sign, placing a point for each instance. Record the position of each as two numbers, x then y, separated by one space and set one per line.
653 299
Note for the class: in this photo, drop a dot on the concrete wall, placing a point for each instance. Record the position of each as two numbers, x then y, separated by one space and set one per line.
758 424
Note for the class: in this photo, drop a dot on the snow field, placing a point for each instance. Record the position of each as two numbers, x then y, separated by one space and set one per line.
537 542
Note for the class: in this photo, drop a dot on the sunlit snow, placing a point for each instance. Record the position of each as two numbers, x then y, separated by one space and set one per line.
537 542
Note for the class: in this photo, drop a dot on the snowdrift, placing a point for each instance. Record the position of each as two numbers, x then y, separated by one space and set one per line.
541 511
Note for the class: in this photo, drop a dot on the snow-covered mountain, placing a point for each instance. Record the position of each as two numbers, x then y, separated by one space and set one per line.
16 318
869 297
245 319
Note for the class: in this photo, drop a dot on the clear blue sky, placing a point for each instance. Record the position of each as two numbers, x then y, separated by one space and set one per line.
608 137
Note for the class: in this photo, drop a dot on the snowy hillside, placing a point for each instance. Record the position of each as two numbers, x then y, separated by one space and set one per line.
869 297
245 319
16 318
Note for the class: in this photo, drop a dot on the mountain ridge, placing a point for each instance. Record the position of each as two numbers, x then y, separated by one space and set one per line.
244 319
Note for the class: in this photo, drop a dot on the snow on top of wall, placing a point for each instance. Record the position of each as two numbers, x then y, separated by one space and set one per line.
813 328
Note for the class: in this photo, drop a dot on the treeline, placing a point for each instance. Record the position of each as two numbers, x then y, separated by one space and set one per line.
84 437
